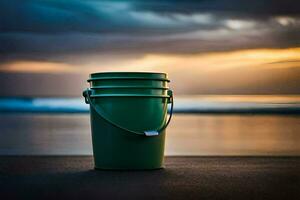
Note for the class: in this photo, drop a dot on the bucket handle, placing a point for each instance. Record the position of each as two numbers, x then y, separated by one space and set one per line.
87 93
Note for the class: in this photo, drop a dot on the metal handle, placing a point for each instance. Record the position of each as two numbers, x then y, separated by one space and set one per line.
88 100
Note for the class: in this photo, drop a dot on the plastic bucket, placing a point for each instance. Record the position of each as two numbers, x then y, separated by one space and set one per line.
128 112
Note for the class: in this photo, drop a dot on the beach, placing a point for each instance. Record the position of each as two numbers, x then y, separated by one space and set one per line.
73 177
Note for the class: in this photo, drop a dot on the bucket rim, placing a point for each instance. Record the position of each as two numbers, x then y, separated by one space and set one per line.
128 75
127 78
123 72
129 95
128 87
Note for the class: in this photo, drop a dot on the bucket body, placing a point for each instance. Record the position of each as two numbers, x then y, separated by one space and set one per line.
123 106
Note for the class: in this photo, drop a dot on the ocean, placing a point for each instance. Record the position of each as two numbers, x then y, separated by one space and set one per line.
202 125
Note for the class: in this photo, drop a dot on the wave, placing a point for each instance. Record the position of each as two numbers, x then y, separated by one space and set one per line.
183 104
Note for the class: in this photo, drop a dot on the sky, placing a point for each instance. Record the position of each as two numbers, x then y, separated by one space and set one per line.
48 48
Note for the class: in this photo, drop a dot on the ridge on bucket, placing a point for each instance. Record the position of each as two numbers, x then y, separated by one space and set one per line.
128 113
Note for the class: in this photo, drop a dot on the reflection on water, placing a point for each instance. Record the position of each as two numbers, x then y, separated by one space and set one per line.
234 135
187 134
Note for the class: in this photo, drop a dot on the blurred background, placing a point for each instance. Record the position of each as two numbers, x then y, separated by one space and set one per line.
234 67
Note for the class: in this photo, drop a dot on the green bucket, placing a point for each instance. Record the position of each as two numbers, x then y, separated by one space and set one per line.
128 113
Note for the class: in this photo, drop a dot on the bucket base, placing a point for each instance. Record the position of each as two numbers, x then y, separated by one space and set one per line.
124 169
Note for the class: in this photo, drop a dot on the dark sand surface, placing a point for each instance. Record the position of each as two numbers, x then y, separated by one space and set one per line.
73 177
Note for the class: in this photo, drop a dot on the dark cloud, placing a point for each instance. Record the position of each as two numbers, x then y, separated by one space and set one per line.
53 16
54 30
235 7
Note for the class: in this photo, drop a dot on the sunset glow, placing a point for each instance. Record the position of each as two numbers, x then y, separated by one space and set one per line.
36 67
256 58
206 62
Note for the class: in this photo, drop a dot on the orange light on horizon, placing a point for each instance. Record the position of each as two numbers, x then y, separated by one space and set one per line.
36 67
210 62
178 63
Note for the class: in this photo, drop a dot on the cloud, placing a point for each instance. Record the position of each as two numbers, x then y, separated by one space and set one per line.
256 71
73 31
235 7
